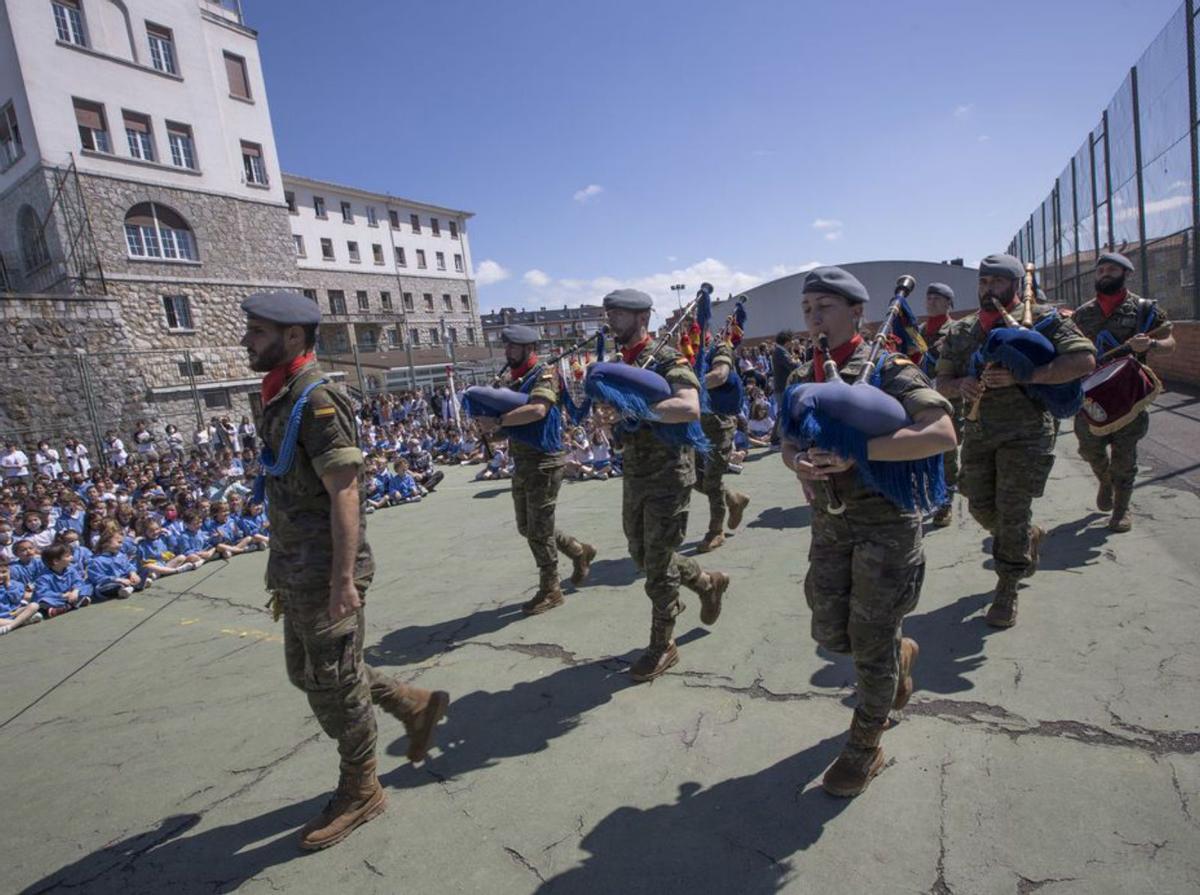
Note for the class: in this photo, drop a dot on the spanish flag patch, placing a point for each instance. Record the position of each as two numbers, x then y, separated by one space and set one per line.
322 412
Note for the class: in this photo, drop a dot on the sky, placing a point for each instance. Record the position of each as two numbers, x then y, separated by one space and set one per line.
649 143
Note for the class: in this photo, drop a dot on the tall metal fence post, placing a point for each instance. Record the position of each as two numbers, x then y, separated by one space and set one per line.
89 397
362 383
1190 12
1108 181
1143 255
191 370
412 371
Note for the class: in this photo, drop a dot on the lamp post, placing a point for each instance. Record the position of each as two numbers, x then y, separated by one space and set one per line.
678 290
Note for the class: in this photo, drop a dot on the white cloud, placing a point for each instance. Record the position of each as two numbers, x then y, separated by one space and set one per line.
964 110
489 271
833 235
827 224
537 278
588 192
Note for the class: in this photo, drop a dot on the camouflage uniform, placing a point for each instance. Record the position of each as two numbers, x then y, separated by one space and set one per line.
711 469
1008 452
1121 468
535 483
950 458
866 566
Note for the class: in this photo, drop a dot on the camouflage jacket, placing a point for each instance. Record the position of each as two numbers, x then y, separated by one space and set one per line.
1122 324
644 453
301 555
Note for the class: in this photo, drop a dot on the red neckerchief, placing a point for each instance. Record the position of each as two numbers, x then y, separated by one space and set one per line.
630 354
1109 303
519 373
840 355
933 324
274 381
988 319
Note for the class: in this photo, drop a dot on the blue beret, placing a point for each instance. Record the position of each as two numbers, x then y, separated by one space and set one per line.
941 289
516 334
835 281
1115 258
628 300
284 308
1002 266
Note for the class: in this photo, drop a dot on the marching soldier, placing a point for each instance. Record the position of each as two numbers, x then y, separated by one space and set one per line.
656 487
939 300
1008 452
320 564
710 473
1113 318
538 474
866 564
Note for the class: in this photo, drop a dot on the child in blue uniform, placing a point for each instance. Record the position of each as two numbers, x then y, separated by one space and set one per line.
15 608
60 588
254 525
159 555
110 572
28 566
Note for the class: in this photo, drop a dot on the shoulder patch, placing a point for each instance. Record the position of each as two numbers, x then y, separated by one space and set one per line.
900 360
322 412
680 361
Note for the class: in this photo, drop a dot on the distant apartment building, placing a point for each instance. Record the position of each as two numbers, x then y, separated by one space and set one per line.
556 327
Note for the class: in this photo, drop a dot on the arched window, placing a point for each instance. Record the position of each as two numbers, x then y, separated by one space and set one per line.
156 231
33 241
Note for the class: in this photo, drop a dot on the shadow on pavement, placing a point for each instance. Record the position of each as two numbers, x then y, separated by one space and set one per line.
736 836
214 861
416 643
780 517
490 492
1073 544
613 572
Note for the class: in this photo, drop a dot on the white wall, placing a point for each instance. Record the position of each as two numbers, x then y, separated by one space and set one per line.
117 74
12 88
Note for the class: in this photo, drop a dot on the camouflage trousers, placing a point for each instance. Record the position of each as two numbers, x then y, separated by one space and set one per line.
325 659
950 458
1121 463
535 495
863 578
1004 467
654 513
711 468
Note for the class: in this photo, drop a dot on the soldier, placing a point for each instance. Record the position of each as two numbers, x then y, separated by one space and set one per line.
1116 317
538 474
1008 452
866 564
320 564
720 425
656 487
939 300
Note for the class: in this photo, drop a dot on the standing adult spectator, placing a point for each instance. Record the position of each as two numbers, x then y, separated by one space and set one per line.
782 365
202 439
174 441
76 454
15 463
249 434
114 450
143 441
46 461
230 435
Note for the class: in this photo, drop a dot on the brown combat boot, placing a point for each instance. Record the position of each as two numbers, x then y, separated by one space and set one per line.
1003 611
582 563
1104 494
1036 535
736 503
944 515
712 540
357 799
1121 521
544 600
711 592
860 761
419 711
660 655
909 650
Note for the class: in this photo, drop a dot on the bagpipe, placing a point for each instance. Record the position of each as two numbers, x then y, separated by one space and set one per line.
632 391
495 401
1121 386
728 397
843 417
1021 348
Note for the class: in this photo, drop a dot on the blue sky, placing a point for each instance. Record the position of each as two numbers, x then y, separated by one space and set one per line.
657 142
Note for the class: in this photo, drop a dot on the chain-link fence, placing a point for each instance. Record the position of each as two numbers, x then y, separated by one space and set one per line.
1133 186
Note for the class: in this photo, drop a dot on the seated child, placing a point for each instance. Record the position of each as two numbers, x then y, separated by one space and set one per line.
60 588
110 572
192 542
15 608
255 525
224 533
497 466
35 529
28 565
81 555
157 554
402 487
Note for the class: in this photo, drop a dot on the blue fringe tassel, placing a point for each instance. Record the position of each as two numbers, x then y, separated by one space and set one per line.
634 410
545 435
703 317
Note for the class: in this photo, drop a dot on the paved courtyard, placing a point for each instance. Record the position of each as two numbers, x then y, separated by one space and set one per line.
154 745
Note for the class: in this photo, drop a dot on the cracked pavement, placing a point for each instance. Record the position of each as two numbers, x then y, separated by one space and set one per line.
167 752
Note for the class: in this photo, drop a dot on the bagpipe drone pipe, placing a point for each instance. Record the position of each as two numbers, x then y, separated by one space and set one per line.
843 417
728 397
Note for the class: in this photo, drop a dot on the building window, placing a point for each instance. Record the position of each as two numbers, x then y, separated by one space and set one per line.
239 84
337 301
327 249
310 294
34 252
253 164
394 219
93 131
452 335
385 301
440 257
470 335
447 303
299 240
347 213
414 337
401 261
428 301
458 265
415 221
453 229
217 399
179 314
68 21
372 218
162 48
465 300
186 369
435 338
11 147
156 231
290 198
408 301
364 303
352 248
434 227
377 252
319 207
420 259
183 146
137 133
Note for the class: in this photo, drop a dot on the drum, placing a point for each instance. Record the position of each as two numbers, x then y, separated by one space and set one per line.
1116 393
